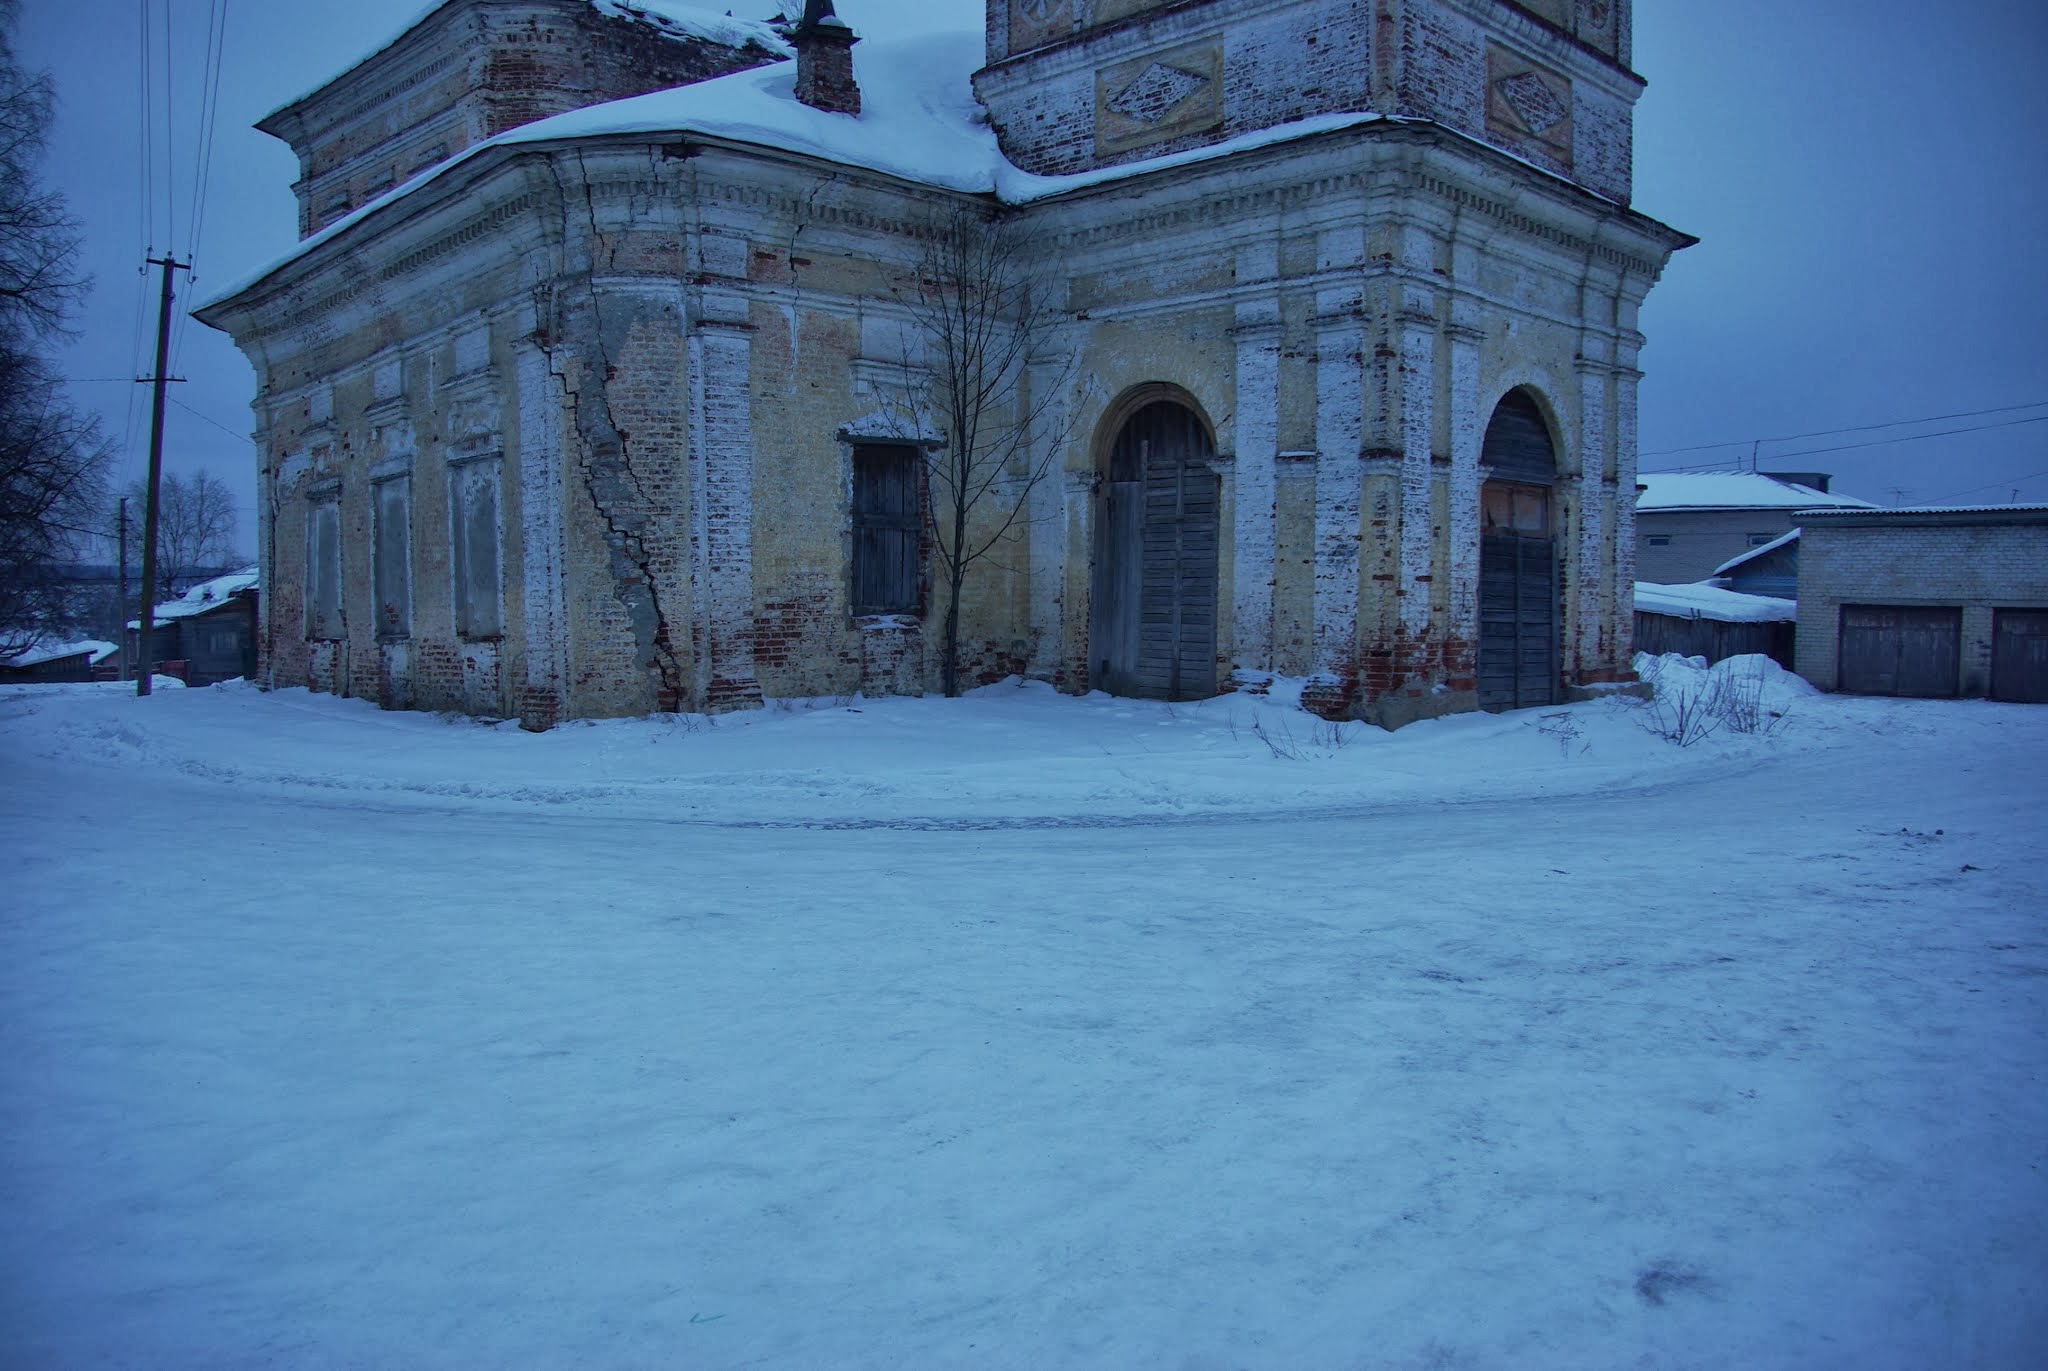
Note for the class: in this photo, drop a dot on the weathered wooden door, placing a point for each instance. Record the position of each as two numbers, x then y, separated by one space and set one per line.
1518 619
1153 627
1900 650
2019 655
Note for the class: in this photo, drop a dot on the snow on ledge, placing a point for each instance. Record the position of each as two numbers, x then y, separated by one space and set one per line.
1700 601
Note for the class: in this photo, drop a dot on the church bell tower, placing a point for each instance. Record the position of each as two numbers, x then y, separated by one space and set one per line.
1074 85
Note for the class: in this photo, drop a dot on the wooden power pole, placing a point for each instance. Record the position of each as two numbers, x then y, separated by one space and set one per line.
145 662
121 590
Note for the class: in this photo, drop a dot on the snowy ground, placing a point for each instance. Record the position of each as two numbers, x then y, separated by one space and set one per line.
1021 1031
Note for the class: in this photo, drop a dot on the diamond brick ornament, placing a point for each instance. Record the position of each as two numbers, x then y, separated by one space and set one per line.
1538 106
1157 90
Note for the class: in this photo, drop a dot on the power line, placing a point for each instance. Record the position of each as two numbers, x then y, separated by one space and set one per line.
207 418
170 141
1876 442
1855 428
202 172
146 105
1993 485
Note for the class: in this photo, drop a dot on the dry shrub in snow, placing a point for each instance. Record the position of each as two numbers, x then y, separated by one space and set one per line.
1691 701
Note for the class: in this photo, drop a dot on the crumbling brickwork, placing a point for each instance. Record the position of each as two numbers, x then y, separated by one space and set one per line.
1548 81
469 72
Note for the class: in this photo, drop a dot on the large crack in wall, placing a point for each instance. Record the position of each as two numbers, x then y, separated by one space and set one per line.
580 338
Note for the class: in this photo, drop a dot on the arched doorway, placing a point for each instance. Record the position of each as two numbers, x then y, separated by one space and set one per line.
1152 629
1518 628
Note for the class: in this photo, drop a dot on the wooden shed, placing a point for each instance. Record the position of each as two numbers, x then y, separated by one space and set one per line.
206 635
1701 620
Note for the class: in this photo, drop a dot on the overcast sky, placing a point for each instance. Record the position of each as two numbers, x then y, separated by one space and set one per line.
1869 179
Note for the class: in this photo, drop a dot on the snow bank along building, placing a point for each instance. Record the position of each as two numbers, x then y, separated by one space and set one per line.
600 413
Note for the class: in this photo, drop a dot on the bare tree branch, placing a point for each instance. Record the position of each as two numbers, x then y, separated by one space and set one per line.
52 460
982 309
195 527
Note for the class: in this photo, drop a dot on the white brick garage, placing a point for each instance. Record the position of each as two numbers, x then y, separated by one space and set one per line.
1933 602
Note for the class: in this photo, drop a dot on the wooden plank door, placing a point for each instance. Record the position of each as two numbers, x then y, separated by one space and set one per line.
2019 655
1154 620
1900 650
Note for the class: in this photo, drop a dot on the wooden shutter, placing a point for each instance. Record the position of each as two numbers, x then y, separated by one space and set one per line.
888 513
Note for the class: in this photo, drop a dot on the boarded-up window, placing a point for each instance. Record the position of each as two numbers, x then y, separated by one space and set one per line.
323 567
392 556
473 511
887 510
1516 508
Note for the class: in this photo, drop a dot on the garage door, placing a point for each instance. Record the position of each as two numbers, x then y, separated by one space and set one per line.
1901 650
2019 655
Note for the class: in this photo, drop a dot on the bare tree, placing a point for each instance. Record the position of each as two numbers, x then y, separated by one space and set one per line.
52 460
195 528
982 307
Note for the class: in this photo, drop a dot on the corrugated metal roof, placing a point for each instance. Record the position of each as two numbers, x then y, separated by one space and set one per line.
1671 490
1935 509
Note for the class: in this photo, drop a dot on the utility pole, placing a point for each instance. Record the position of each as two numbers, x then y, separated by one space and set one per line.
121 582
145 662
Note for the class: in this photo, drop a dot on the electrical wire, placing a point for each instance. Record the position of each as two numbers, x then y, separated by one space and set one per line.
1854 428
1878 442
209 419
209 114
2011 482
170 140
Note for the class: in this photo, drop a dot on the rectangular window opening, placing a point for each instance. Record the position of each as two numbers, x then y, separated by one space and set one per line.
391 557
888 518
323 568
473 516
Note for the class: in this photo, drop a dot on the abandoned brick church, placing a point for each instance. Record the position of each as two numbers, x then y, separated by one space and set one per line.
579 397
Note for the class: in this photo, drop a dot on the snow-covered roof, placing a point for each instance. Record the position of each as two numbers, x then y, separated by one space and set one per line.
683 20
1669 490
1766 550
919 121
207 595
678 19
1941 509
1699 601
51 650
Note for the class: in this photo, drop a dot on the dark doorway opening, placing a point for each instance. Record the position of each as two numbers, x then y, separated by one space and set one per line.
1153 625
1518 615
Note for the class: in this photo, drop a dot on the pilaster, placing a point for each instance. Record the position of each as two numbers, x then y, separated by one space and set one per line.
1049 379
722 513
542 702
1468 434
1340 407
1589 575
1258 446
1626 379
1418 429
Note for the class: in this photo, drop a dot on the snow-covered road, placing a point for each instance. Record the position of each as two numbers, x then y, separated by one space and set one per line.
347 1039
